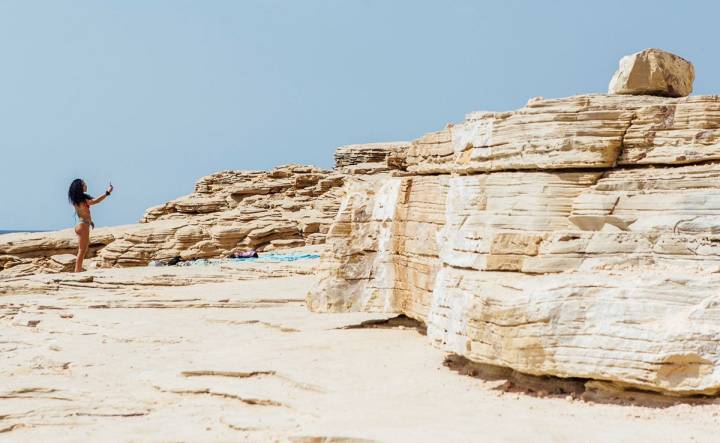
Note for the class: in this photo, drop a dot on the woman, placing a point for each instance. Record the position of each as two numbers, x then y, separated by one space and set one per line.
82 202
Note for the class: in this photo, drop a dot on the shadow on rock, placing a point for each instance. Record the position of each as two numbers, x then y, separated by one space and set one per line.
588 390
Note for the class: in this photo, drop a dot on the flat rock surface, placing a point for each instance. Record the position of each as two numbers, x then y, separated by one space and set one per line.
229 352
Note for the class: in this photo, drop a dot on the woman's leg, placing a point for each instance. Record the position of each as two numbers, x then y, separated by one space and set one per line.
83 232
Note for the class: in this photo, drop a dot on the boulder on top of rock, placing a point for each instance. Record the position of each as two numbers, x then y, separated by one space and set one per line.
653 72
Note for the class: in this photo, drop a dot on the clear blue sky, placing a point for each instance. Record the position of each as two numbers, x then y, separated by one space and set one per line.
154 94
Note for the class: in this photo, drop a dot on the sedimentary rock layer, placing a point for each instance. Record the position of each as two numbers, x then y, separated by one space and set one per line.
569 238
288 206
587 131
234 210
350 155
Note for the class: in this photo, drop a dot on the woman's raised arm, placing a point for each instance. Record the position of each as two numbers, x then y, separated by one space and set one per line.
102 197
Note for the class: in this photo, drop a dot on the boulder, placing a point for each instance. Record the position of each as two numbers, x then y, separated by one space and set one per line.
653 72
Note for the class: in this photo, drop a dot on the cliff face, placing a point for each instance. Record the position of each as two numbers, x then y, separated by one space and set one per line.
576 237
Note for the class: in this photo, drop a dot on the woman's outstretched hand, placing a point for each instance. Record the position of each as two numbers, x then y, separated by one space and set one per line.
109 189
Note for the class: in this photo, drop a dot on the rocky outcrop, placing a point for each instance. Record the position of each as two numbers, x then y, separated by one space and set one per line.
235 210
29 253
289 206
371 158
586 131
575 237
653 72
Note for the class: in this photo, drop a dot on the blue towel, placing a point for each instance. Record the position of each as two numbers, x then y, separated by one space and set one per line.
270 257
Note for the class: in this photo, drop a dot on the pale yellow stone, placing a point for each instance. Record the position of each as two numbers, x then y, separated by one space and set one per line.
601 275
228 211
653 72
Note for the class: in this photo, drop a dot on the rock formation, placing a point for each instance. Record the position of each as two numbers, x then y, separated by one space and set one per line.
654 72
234 210
370 158
575 237
289 206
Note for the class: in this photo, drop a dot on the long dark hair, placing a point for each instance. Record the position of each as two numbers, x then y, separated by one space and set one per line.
76 195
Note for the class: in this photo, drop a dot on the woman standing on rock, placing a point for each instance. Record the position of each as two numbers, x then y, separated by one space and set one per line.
82 202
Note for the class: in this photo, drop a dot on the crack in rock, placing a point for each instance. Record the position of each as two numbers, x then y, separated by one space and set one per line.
11 428
20 393
246 400
242 374
5 397
238 374
329 439
281 328
118 414
183 305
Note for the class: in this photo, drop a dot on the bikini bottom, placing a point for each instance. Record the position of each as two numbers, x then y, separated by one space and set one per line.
86 222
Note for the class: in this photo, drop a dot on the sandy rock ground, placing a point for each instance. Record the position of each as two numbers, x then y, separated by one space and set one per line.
228 352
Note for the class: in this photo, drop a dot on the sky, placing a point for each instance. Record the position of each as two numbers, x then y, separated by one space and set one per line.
153 95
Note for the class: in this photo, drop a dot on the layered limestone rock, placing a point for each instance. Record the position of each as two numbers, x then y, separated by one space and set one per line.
29 253
229 211
235 210
371 158
586 131
653 72
289 206
576 237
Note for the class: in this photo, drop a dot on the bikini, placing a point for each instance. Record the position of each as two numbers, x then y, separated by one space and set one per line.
83 220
